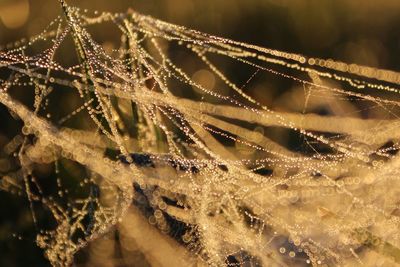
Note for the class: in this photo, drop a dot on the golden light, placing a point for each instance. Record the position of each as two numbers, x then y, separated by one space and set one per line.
14 14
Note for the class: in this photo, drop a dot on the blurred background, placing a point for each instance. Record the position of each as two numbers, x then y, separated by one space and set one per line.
357 31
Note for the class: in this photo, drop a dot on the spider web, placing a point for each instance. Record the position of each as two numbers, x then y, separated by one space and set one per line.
167 158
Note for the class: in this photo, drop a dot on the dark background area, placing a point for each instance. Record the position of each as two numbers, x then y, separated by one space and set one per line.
364 32
356 31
